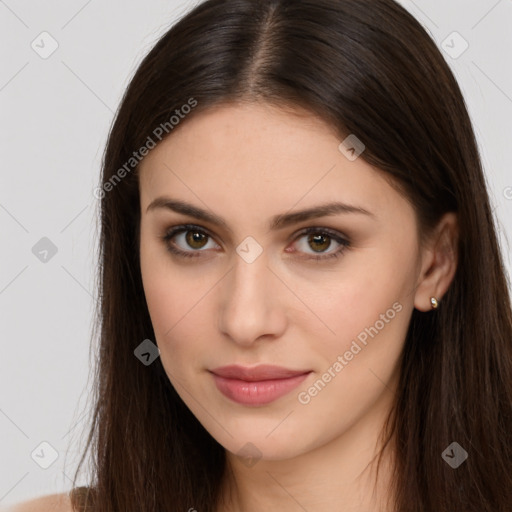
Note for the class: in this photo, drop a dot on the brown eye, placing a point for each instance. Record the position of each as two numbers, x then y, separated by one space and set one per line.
186 240
319 240
196 239
189 241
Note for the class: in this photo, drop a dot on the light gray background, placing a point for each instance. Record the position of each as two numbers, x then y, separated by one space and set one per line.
55 116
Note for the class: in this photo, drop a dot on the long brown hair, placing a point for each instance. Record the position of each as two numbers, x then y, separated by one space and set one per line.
368 68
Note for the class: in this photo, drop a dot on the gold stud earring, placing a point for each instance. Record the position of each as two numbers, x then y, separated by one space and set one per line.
433 302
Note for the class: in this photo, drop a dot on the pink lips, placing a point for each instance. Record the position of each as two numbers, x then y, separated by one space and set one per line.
258 385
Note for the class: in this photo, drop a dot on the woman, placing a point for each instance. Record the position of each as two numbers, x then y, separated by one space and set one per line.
293 210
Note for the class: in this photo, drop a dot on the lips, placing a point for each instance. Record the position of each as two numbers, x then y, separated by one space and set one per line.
256 386
258 373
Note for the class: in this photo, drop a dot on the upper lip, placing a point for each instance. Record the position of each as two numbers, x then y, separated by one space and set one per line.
256 373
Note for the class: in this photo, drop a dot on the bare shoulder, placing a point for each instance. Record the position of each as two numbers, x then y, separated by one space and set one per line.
49 503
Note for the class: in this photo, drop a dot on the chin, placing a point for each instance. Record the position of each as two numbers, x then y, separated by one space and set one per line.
255 445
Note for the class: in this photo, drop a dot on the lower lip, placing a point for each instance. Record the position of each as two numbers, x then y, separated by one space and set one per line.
259 392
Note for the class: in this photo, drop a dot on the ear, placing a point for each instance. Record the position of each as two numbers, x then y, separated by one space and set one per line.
439 262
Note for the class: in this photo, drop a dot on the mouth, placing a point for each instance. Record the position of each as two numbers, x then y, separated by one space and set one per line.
259 385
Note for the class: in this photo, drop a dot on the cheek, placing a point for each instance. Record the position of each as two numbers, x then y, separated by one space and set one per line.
368 310
165 287
358 363
178 302
177 336
168 301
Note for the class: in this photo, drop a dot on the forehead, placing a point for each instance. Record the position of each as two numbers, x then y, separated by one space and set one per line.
255 155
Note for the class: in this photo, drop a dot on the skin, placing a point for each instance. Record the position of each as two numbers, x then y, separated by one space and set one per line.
247 163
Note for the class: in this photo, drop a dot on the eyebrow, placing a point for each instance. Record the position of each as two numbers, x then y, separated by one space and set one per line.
276 222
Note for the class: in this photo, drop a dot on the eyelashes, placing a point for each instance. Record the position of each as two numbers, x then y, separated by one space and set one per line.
314 235
318 235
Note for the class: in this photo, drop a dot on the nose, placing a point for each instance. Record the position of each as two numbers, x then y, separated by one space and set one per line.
252 302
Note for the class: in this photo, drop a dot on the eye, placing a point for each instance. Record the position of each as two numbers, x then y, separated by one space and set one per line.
320 239
193 237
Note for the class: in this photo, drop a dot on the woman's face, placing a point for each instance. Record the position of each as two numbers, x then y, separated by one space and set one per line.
248 291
